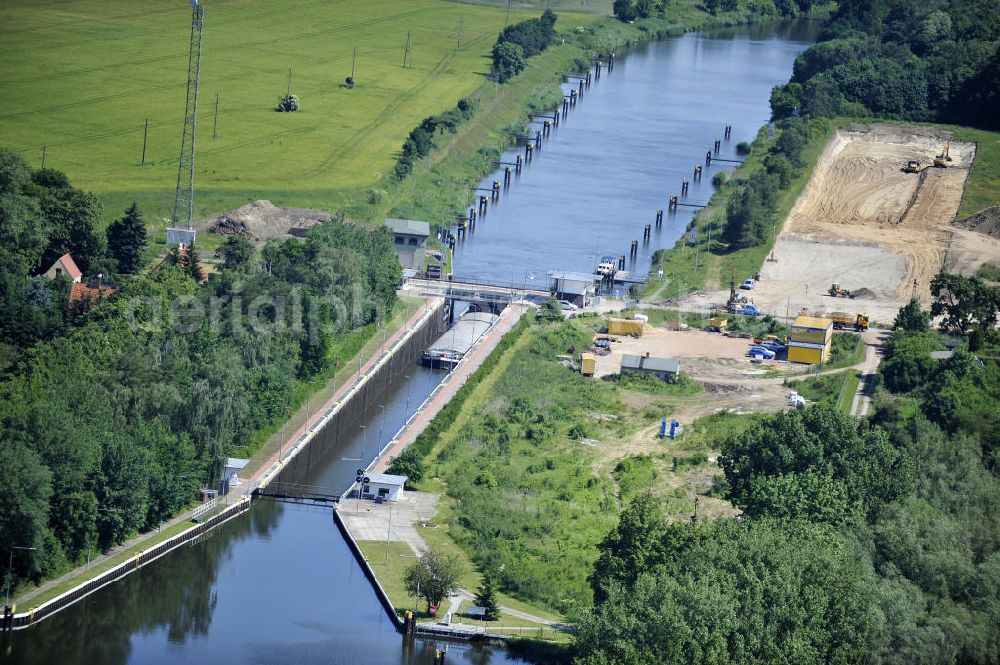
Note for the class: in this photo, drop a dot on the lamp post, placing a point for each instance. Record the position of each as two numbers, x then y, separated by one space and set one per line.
408 379
10 567
388 532
381 424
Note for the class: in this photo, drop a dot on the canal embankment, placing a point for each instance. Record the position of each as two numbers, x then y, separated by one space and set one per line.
358 527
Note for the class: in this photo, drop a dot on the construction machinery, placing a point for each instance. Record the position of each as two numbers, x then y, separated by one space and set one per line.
845 321
717 324
837 292
942 160
912 166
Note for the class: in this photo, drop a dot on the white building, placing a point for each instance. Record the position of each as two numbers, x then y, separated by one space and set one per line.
576 287
384 485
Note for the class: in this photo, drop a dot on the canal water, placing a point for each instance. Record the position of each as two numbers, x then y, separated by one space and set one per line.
278 584
623 150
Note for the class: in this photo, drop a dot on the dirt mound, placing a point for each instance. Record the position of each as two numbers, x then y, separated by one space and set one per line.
261 220
985 221
863 293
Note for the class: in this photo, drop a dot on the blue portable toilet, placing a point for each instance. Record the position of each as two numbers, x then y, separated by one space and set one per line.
663 428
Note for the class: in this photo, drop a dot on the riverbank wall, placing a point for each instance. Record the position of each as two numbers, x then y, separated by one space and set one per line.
134 563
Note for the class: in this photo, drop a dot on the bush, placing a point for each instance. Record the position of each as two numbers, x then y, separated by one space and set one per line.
742 148
349 81
508 61
720 178
288 104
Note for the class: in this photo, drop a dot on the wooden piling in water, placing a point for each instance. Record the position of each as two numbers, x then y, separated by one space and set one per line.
506 177
517 165
684 186
697 173
672 203
659 218
621 262
496 191
708 157
646 233
728 132
718 144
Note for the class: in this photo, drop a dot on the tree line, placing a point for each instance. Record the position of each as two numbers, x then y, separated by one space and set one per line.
873 540
111 420
421 138
750 208
937 60
520 41
632 10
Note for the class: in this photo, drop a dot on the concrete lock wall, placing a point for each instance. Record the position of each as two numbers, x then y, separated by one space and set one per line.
344 424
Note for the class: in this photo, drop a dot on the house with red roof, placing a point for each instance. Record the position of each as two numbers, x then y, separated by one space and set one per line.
86 296
65 265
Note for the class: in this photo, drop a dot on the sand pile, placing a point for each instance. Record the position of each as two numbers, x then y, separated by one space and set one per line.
985 221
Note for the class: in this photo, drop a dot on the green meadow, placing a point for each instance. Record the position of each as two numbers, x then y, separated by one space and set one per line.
80 79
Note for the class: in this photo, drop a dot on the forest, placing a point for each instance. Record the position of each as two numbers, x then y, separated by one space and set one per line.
116 411
859 541
926 61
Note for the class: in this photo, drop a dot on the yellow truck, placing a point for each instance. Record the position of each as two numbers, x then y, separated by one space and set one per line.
845 321
717 324
625 327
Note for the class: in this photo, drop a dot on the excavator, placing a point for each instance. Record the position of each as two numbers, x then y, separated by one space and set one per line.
838 292
942 160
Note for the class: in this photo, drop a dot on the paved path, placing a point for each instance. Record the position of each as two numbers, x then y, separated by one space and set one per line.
367 520
874 340
455 380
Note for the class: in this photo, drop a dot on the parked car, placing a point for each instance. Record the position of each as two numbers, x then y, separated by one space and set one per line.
762 351
568 306
773 345
748 284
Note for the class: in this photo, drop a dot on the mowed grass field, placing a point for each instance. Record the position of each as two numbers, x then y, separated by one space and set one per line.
81 77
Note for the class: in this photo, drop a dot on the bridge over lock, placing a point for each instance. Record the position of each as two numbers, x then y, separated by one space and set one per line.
494 295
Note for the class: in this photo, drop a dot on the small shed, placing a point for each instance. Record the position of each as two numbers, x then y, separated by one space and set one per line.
811 329
807 352
384 485
64 265
664 368
576 287
230 477
809 340
409 239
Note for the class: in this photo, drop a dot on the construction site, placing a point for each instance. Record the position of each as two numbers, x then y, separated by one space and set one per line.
872 227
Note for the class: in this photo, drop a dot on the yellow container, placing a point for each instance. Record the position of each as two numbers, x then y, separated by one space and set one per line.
804 352
588 364
624 327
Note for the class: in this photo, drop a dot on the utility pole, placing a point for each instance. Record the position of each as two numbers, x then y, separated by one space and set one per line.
43 156
461 28
506 19
354 61
215 124
407 54
145 134
289 91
